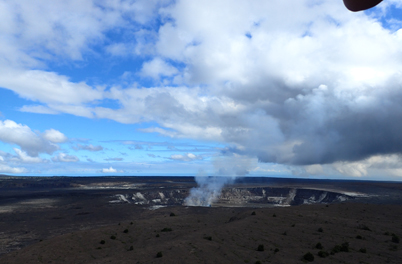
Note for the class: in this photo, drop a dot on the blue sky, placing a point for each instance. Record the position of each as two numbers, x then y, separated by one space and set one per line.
300 88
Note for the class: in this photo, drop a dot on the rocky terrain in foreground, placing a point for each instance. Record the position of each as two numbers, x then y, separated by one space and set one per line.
339 233
108 220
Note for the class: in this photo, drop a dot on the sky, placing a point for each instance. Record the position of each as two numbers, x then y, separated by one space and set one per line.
297 88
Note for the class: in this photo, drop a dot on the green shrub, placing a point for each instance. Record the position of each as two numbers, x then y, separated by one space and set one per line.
336 249
323 254
112 237
276 250
340 248
359 237
274 215
258 262
253 213
125 231
320 230
395 238
319 246
208 238
308 257
345 247
363 250
102 242
393 247
159 254
157 235
364 227
166 229
172 214
260 248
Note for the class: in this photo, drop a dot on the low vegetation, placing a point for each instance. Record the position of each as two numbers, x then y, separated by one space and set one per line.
395 238
344 247
364 227
260 247
323 254
308 257
319 246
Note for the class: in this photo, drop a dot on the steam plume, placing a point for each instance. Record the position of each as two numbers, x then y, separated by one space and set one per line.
209 187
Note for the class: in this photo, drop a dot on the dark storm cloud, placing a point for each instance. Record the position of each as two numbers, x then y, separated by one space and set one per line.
331 128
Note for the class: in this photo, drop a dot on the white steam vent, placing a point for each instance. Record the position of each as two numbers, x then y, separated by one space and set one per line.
207 192
210 187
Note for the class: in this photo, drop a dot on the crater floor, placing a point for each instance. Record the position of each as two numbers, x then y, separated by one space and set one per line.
64 220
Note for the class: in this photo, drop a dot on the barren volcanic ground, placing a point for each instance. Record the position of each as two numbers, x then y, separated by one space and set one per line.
115 220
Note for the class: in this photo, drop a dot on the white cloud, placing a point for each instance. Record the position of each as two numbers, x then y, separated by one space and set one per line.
290 82
8 169
158 67
23 136
23 157
185 157
373 166
48 87
89 147
38 109
55 136
117 49
111 170
35 25
62 157
114 159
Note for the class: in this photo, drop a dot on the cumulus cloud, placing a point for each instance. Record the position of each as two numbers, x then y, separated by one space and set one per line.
185 157
157 67
55 136
111 170
78 25
23 157
89 147
305 84
63 157
7 169
29 141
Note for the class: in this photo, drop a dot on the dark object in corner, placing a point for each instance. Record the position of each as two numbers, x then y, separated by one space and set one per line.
360 5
